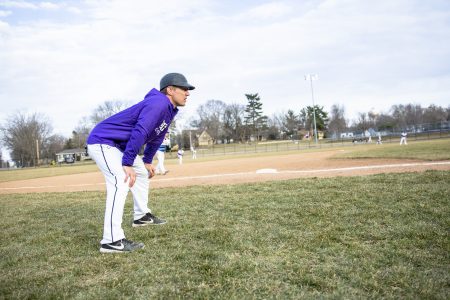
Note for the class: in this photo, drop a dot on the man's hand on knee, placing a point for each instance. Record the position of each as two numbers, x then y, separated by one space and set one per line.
130 175
150 169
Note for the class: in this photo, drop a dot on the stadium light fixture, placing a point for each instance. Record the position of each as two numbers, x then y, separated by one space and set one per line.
312 77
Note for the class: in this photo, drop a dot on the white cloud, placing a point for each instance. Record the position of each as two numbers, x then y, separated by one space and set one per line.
4 28
48 5
74 10
269 10
19 4
5 13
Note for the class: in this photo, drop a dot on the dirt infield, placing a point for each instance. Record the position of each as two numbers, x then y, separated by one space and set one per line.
232 171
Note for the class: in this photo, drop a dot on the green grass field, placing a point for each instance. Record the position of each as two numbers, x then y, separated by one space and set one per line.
423 150
30 173
379 236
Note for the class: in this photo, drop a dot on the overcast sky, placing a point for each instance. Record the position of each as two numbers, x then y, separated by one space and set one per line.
64 58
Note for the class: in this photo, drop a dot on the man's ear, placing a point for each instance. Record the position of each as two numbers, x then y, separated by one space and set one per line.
170 90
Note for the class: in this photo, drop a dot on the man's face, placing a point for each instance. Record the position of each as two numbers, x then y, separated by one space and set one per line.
179 95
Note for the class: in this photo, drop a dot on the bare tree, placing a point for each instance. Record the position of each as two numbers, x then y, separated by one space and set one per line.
399 115
407 115
337 122
26 136
211 118
233 120
372 119
413 114
81 133
107 109
53 145
434 114
274 125
385 122
362 122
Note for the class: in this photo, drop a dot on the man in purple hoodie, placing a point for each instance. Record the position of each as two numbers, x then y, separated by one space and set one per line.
114 145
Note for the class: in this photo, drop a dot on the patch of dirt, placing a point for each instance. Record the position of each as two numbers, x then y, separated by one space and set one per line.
233 171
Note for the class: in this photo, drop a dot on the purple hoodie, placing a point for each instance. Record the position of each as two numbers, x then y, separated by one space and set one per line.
143 123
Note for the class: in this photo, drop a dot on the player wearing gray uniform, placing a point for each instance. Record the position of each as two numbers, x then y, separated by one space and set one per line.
114 145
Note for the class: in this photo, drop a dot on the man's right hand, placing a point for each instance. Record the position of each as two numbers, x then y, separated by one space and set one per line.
130 175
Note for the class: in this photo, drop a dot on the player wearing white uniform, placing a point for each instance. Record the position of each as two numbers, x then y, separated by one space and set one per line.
114 145
379 139
194 153
160 155
180 154
403 138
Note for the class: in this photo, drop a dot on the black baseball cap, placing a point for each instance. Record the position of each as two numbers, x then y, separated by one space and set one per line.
174 79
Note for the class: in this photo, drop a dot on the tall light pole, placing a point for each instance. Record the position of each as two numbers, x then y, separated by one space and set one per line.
312 77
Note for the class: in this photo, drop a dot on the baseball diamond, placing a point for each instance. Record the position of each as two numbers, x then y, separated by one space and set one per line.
288 166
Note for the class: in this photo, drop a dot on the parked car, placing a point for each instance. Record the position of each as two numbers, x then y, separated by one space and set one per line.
69 160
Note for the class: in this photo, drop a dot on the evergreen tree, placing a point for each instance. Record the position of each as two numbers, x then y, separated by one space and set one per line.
253 113
290 123
307 117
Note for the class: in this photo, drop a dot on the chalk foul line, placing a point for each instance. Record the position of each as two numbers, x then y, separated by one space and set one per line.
311 171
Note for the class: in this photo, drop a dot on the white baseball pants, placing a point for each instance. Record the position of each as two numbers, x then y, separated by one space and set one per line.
109 161
160 169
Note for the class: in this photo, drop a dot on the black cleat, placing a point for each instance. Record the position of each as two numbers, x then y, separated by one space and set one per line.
148 219
121 246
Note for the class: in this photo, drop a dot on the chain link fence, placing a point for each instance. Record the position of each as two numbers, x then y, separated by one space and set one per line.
415 133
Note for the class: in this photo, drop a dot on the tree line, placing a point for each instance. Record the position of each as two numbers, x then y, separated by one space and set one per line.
240 123
30 139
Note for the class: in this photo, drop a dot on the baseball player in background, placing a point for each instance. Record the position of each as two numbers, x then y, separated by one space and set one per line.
403 138
194 152
160 155
180 154
114 145
379 139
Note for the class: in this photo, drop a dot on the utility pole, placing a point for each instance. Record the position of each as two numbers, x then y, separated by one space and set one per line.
37 152
312 77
